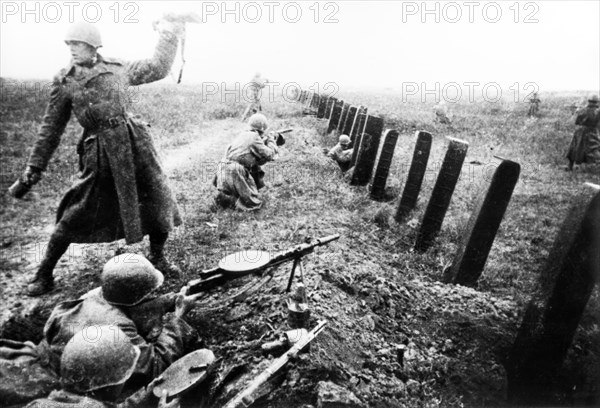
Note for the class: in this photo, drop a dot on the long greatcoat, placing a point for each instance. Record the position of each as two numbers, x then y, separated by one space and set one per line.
585 145
122 191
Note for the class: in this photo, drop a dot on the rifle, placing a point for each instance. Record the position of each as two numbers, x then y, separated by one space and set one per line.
280 141
250 262
244 398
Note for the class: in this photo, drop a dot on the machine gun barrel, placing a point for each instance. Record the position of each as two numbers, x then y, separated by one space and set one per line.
300 250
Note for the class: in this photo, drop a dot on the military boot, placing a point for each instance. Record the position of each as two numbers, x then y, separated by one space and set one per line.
222 200
157 256
169 269
41 283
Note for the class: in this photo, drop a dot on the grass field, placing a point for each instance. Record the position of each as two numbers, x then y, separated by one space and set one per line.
374 290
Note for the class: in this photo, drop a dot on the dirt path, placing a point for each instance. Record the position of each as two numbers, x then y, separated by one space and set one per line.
78 269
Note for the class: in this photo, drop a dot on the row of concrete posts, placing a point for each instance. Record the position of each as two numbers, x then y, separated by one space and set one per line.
366 131
567 279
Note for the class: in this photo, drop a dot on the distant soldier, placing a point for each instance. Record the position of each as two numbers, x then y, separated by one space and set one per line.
256 86
239 174
94 368
441 113
585 145
534 105
342 153
122 191
128 281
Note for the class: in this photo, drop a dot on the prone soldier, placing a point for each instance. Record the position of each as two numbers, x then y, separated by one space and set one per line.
94 372
128 281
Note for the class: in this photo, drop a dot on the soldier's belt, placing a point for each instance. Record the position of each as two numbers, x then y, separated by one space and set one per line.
109 123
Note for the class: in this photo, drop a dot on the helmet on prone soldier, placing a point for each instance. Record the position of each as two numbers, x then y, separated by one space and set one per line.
97 357
128 279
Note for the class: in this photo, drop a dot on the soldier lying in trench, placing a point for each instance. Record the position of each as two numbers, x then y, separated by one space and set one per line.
30 371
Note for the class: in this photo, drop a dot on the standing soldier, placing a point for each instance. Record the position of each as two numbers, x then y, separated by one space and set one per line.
534 105
585 145
122 191
256 86
239 175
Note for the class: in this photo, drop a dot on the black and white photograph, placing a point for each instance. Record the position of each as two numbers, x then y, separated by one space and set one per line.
299 204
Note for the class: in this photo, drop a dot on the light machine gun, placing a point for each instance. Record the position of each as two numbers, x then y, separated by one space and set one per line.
253 262
148 314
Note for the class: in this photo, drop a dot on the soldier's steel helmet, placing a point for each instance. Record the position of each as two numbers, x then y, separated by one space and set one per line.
84 32
97 357
593 99
258 121
344 140
128 279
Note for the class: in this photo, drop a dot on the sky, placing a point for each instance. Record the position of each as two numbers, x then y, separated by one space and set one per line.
518 45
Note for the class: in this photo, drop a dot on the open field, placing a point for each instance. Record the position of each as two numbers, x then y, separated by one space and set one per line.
371 287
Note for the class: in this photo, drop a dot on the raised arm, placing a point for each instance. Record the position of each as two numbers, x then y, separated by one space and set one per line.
156 68
53 125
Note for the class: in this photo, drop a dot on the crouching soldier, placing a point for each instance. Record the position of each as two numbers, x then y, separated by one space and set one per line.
128 282
342 153
94 368
239 174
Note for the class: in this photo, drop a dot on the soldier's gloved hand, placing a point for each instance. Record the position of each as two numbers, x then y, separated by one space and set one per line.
32 175
184 302
271 138
173 27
